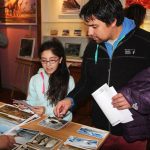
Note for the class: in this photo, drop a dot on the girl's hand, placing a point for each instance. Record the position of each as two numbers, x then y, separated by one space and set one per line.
39 110
21 106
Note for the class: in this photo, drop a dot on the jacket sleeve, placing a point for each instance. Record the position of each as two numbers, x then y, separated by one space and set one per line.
137 92
82 89
71 84
31 98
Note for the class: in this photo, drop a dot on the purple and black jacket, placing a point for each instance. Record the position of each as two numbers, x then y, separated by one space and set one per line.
137 92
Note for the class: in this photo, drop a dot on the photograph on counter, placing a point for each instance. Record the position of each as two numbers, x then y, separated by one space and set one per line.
53 123
15 112
68 147
81 142
72 49
22 136
22 102
7 123
43 142
12 117
90 131
16 146
24 147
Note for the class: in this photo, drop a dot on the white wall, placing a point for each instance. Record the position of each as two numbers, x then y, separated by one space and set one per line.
52 18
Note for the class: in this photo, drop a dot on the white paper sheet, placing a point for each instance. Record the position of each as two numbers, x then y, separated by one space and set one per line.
103 97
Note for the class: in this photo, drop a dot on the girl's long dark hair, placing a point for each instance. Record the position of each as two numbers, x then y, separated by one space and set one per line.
58 81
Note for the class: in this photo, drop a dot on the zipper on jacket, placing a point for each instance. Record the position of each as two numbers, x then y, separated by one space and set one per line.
109 74
109 70
96 54
108 82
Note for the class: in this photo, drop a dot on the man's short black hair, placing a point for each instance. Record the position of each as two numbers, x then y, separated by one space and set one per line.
104 10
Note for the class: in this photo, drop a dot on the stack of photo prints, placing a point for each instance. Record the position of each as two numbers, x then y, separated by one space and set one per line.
27 139
85 143
53 123
33 140
12 118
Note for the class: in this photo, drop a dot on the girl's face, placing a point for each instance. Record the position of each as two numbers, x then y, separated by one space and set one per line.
50 61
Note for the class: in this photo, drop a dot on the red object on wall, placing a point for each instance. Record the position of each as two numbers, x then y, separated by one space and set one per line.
145 3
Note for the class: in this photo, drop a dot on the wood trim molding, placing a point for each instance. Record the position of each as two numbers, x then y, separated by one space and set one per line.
38 23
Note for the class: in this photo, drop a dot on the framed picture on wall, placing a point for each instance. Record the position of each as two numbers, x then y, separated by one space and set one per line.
26 49
71 6
70 9
18 12
72 49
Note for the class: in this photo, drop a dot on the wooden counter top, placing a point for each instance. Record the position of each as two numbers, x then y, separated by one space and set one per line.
69 130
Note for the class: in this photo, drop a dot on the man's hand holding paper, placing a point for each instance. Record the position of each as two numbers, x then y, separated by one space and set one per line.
103 97
120 102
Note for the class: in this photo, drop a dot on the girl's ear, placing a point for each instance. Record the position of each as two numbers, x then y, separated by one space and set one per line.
60 60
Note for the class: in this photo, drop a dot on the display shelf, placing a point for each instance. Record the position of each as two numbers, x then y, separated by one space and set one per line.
83 41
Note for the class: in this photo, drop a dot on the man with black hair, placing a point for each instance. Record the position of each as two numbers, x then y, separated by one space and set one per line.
116 52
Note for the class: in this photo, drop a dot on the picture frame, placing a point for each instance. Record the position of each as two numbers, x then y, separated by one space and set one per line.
65 32
26 49
70 9
72 49
18 12
77 32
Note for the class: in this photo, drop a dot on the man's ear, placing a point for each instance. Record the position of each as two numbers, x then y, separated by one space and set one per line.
114 23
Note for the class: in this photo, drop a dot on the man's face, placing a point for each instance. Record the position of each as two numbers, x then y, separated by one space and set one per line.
100 31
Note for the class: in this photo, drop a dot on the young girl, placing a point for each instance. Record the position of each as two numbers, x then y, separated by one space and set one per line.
53 82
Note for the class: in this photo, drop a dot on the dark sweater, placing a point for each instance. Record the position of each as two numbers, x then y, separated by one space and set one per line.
130 57
137 93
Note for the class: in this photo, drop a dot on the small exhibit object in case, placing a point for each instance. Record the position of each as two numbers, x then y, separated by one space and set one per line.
72 49
65 32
